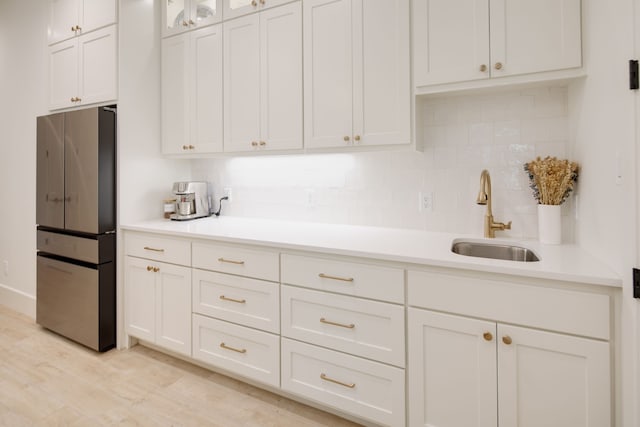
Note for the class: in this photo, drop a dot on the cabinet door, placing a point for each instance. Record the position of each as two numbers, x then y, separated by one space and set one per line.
242 84
63 74
140 297
63 17
281 77
98 66
206 89
552 380
97 14
532 36
175 94
451 371
174 19
328 84
173 307
451 40
204 12
381 62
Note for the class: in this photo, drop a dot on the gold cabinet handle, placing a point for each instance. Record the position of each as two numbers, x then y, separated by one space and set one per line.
78 99
331 380
239 301
346 138
78 28
483 68
184 147
191 147
156 269
148 248
73 99
262 1
254 144
262 143
342 325
73 28
149 268
254 3
230 261
487 336
356 138
507 340
191 22
342 279
237 350
185 24
498 66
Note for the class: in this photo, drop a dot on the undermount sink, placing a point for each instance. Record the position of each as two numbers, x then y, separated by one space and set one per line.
502 251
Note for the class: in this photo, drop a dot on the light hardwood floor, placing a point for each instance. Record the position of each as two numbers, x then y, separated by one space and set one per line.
46 380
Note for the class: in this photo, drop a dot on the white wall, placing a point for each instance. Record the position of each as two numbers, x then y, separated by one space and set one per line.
22 90
602 119
499 130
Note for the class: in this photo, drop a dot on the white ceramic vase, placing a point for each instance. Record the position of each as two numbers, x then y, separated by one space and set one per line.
550 224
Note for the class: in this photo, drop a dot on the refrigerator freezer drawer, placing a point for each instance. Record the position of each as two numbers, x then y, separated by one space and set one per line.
96 250
74 301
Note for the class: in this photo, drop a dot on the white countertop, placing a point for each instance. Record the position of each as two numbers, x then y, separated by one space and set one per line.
557 262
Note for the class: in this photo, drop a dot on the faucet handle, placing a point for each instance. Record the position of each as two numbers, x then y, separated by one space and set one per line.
507 226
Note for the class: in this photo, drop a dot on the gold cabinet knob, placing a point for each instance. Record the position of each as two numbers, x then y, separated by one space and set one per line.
498 66
149 268
262 143
254 144
156 269
191 147
254 3
487 336
483 68
78 28
356 138
262 1
185 147
73 28
185 24
73 99
507 340
191 22
78 99
346 139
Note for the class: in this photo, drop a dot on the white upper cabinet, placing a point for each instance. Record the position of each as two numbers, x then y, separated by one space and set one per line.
184 15
466 40
70 18
84 70
192 92
263 80
356 68
235 8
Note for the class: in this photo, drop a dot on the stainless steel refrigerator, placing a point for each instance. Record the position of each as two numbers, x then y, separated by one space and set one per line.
76 225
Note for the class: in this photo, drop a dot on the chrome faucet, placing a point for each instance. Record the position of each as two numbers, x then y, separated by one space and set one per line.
484 198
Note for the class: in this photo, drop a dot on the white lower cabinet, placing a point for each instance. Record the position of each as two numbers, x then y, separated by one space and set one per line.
470 372
158 303
244 351
367 389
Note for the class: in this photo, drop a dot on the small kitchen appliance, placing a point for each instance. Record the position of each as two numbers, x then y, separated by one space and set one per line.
192 200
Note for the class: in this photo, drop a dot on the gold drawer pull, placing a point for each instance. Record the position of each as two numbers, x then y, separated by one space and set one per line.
487 336
237 350
149 268
147 248
331 380
507 340
342 325
343 279
156 269
239 301
230 261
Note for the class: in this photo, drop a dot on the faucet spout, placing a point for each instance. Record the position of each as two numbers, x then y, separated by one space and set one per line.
484 198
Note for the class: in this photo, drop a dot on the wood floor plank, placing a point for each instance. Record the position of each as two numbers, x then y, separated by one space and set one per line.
47 380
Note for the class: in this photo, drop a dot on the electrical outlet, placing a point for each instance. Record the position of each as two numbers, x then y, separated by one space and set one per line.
425 202
227 194
5 268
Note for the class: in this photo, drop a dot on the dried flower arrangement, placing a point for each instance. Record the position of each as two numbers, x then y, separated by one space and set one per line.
551 179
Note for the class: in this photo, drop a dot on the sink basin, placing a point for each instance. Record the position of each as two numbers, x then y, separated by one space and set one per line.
503 251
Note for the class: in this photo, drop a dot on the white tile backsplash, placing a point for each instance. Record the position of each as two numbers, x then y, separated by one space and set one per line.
464 134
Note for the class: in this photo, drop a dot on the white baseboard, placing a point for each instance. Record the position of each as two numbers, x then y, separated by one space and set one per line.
18 301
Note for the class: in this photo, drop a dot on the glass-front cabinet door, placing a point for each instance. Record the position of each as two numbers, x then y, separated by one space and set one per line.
234 8
184 15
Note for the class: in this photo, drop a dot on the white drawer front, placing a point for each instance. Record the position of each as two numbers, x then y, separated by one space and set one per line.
247 352
260 264
573 312
361 387
370 329
364 280
155 247
250 302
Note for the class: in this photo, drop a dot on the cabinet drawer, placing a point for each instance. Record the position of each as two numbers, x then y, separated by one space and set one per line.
363 280
247 352
370 329
250 302
361 387
569 311
159 248
260 264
